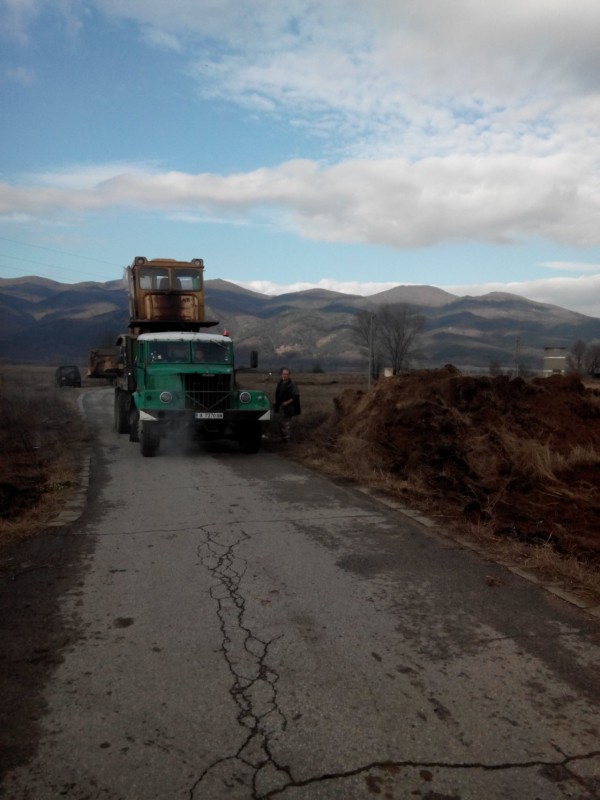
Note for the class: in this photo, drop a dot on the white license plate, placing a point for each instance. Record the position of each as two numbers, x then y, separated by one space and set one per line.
209 415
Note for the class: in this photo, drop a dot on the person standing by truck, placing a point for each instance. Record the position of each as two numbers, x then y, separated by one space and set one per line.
287 402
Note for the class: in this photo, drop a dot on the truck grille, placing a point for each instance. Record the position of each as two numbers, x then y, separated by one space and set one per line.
207 392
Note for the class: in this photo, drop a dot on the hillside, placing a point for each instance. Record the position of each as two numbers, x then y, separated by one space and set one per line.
43 321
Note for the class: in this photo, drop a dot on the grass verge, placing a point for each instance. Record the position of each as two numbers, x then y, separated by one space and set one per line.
41 442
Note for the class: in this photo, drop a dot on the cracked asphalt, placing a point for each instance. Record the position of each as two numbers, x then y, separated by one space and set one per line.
225 626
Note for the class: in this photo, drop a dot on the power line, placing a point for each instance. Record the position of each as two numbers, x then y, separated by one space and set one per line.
47 266
58 252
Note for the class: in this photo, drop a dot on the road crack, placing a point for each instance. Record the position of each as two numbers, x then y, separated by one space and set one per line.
253 685
392 766
253 771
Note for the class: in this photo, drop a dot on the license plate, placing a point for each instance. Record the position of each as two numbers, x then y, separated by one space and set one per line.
209 415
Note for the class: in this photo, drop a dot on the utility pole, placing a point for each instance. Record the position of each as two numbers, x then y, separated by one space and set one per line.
370 352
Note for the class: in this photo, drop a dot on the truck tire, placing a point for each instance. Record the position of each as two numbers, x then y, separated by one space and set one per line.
122 402
250 437
149 438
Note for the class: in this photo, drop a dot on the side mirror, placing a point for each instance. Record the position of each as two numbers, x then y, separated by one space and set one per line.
253 359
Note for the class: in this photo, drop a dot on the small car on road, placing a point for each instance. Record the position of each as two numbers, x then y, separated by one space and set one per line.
67 376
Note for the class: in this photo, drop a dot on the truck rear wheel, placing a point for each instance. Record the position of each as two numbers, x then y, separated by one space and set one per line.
122 402
249 437
149 438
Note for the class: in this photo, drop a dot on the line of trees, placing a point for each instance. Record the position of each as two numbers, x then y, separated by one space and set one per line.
584 358
390 335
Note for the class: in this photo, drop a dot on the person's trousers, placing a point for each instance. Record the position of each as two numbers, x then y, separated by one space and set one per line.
284 427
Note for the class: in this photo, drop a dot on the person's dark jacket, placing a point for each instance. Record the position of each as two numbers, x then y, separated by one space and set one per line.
287 390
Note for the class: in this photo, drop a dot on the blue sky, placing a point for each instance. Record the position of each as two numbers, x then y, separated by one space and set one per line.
351 144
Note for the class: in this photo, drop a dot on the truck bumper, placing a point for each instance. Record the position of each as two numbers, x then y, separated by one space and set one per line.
183 416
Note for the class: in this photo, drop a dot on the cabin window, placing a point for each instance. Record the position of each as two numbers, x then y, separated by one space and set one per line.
154 280
186 280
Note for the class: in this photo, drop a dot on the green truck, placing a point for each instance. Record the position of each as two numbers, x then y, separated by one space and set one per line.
173 375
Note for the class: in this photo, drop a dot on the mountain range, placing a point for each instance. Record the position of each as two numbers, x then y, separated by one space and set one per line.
43 321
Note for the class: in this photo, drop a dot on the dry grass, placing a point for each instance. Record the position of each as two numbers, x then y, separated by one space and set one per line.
41 440
357 450
542 460
541 560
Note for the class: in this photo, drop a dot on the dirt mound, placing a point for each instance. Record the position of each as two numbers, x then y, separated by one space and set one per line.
520 457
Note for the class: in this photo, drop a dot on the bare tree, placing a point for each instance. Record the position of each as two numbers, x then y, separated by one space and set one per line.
363 328
592 359
388 334
398 331
576 357
365 334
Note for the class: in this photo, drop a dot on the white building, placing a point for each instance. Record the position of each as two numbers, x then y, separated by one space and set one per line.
555 361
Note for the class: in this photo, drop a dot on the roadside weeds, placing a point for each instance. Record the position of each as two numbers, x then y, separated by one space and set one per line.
41 444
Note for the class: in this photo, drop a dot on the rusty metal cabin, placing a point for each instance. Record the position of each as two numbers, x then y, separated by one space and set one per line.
166 295
103 363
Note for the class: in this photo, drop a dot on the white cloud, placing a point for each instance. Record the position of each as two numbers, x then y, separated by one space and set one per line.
571 266
16 17
391 202
505 48
378 79
581 294
163 40
87 177
421 77
24 76
329 284
458 44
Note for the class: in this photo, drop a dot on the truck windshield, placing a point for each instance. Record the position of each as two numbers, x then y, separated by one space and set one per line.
211 352
169 352
206 352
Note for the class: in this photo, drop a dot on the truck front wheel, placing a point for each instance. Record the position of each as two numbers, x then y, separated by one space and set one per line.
149 438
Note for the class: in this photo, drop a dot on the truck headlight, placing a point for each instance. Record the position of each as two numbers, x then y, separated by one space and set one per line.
165 397
245 397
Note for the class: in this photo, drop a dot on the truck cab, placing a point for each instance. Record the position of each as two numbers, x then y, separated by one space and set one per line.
186 381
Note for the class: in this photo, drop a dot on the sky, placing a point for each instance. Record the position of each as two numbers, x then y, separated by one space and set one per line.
352 145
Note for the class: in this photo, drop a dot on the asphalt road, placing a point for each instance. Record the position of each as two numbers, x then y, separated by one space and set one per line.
226 626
